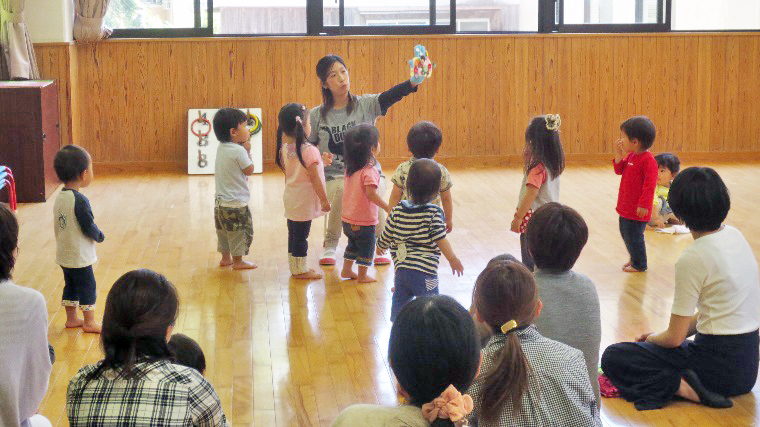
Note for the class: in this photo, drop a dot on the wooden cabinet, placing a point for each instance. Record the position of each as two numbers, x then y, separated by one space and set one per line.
30 136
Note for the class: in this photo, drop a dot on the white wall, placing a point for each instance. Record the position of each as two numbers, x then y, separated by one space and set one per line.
714 15
50 21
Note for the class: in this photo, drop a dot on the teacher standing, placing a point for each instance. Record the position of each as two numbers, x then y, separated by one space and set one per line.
341 110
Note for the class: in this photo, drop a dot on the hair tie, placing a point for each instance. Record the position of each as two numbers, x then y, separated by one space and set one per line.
552 121
298 120
509 326
451 404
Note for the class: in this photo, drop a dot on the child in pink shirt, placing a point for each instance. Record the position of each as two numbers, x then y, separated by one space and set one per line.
305 196
360 200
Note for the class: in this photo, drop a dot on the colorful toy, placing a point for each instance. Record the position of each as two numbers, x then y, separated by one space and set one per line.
254 123
420 67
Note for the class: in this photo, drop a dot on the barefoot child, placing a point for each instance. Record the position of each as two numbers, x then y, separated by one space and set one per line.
416 234
75 237
360 200
636 164
232 218
305 196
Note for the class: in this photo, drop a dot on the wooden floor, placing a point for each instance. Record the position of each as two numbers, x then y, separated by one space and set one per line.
287 353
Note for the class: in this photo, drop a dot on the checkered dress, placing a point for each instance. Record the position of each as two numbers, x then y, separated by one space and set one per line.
559 393
166 395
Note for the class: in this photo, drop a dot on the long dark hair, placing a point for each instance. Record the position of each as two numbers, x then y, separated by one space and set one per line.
505 291
323 72
140 307
543 145
8 241
288 124
358 143
433 344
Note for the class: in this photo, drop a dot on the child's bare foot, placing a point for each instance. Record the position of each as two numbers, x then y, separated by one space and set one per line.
627 264
348 274
243 265
225 262
91 327
309 275
632 269
365 279
75 323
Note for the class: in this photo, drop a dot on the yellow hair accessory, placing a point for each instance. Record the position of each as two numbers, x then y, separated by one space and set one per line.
505 328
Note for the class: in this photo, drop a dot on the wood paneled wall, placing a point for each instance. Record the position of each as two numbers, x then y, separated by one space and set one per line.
55 63
701 90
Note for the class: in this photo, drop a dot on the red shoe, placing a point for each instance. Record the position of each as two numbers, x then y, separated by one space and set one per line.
382 260
328 257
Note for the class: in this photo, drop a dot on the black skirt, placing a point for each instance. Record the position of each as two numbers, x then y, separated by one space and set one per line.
649 375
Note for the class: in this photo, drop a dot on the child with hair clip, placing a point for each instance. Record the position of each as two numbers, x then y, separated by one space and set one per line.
434 354
526 379
544 163
360 200
305 197
416 234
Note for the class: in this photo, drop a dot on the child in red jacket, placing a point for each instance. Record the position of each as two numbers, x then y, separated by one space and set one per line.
639 169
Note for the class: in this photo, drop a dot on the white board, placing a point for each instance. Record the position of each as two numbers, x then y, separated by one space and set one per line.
202 143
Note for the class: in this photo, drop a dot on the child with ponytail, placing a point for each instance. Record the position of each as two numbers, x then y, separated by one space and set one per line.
305 196
525 378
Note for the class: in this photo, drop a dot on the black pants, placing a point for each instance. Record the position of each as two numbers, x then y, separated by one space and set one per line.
527 259
79 287
649 375
633 236
298 233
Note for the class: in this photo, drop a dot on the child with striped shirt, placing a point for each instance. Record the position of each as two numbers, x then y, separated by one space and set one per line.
416 234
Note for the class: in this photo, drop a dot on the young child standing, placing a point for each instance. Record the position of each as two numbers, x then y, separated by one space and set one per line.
360 200
232 217
668 166
424 140
75 237
544 163
636 164
305 196
416 234
525 379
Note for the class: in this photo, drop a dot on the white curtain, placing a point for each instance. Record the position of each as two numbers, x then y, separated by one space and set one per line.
17 59
88 20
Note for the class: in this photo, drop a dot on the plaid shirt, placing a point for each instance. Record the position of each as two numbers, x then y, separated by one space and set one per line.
165 395
559 393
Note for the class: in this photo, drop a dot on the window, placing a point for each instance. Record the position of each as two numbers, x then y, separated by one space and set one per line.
698 15
199 18
497 15
158 18
385 17
246 17
611 16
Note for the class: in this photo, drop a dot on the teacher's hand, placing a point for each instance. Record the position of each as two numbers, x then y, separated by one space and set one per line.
416 80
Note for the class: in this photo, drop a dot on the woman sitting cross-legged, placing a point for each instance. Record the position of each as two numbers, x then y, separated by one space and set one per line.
718 276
